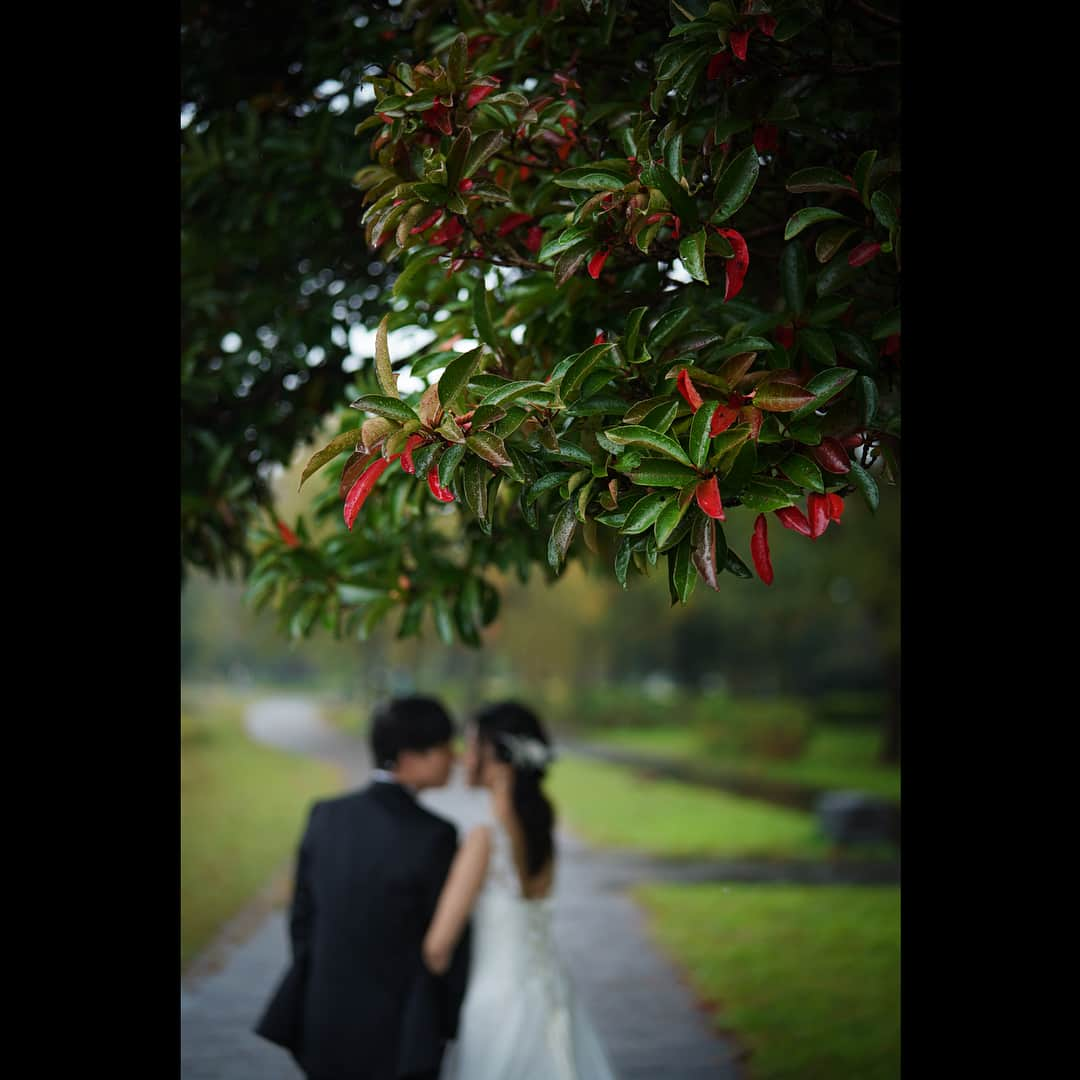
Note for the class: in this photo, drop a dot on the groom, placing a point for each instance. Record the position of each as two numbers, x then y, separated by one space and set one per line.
358 1003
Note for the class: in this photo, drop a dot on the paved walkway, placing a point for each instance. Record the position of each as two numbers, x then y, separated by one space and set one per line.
645 1014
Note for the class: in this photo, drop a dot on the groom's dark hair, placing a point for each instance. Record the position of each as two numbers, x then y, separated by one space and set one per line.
408 723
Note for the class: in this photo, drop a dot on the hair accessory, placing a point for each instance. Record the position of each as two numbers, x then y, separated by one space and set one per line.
526 753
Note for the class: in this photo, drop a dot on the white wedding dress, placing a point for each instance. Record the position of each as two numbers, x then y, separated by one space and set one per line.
521 1018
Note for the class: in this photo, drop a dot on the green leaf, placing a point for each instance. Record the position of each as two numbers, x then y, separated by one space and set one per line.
865 483
383 371
562 535
818 179
568 263
390 407
475 477
489 447
668 520
457 62
564 241
803 472
739 346
735 185
455 161
684 206
591 181
661 472
861 175
793 276
810 215
637 435
570 387
830 241
835 276
449 462
666 328
868 396
692 253
829 311
888 325
547 482
457 375
734 565
819 345
485 328
682 574
630 337
644 513
484 145
825 385
510 391
763 499
347 440
699 433
622 560
883 209
662 416
793 22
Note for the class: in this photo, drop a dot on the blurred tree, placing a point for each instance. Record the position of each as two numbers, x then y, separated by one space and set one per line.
273 270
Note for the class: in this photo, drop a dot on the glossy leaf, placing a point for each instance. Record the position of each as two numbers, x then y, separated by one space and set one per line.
562 535
457 375
735 185
347 440
810 215
793 276
866 485
391 408
642 436
692 253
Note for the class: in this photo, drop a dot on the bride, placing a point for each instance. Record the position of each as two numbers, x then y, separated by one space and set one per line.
520 1019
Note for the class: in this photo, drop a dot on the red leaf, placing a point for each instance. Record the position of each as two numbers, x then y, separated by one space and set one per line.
425 224
892 345
596 263
722 419
440 493
755 418
791 517
510 223
288 535
738 40
599 339
534 239
853 440
362 488
707 494
736 267
766 137
477 94
689 390
831 456
406 458
717 63
438 117
818 508
784 335
862 254
448 233
766 24
836 506
759 549
465 185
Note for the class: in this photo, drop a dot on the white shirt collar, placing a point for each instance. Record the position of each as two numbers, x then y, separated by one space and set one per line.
386 777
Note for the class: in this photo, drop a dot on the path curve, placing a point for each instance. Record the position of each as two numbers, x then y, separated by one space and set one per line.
644 1012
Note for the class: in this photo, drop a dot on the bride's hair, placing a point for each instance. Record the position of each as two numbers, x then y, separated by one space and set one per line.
513 731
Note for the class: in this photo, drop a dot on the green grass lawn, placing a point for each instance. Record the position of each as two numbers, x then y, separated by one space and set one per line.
611 805
836 757
807 977
242 809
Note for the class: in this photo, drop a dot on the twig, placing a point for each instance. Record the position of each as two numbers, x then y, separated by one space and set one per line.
866 9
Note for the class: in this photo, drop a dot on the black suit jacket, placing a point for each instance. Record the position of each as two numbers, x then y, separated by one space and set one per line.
358 998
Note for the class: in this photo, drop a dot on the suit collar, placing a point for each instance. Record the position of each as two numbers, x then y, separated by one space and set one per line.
392 793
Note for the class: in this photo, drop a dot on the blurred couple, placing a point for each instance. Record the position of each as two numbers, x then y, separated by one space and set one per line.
402 940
